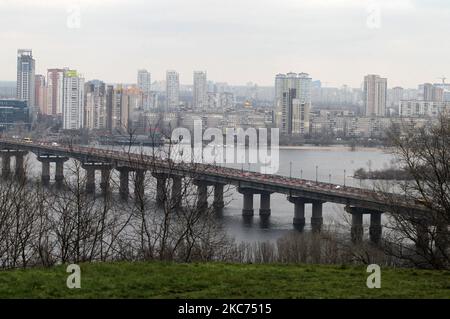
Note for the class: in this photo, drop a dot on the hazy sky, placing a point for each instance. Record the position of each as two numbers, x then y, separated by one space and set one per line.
236 41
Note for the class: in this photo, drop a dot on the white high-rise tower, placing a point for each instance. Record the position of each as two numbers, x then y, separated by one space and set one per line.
200 90
172 89
375 95
292 103
26 78
73 100
144 84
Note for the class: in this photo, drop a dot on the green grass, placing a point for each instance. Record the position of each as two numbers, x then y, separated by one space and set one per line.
216 280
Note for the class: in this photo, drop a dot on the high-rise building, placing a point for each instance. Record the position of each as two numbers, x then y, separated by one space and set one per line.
55 90
300 117
95 105
375 95
144 83
438 94
432 92
13 113
109 106
427 92
135 97
280 87
172 90
117 108
292 103
40 93
395 95
200 90
26 78
120 109
73 100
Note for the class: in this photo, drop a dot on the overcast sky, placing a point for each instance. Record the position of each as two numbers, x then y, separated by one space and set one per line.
236 41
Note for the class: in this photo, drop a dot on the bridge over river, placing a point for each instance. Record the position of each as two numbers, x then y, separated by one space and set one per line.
300 192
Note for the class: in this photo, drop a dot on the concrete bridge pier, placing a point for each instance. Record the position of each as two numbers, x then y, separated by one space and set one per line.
299 212
45 175
139 189
177 184
218 196
20 169
357 231
247 209
202 195
375 229
59 171
317 219
46 160
6 165
90 179
104 183
124 188
90 168
160 188
264 209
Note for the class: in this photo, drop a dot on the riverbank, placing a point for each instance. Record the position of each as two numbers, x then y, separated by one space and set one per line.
338 148
216 280
385 174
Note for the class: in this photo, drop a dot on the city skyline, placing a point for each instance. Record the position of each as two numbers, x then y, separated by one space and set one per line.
182 78
339 44
45 70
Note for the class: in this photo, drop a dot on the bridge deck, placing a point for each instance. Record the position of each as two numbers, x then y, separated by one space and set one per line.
217 174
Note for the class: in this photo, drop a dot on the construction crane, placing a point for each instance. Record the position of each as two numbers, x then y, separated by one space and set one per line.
443 78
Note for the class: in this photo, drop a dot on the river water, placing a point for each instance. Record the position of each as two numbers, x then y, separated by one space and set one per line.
329 161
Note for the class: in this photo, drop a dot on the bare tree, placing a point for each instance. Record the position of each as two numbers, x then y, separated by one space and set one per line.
421 236
168 223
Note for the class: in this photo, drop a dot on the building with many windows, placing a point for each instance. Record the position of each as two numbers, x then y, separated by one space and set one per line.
13 113
200 90
419 108
40 94
96 116
375 95
340 124
144 83
172 90
26 78
292 102
395 95
124 101
73 100
431 92
55 91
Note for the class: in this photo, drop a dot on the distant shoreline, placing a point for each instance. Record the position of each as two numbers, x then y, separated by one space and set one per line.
335 148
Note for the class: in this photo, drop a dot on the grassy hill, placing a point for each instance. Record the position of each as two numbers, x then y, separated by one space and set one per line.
215 280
